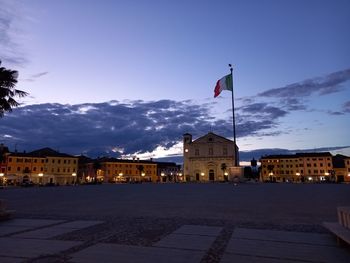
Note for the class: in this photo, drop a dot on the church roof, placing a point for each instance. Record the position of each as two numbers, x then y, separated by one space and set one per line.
206 138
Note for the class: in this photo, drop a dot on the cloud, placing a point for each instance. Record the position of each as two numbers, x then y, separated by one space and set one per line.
122 127
38 75
10 51
35 76
328 84
346 106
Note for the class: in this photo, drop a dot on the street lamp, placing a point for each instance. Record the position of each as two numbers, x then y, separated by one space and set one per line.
74 177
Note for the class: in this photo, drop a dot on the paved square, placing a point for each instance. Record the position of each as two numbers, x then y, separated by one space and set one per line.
44 233
5 230
288 246
194 242
132 254
234 258
79 224
11 260
30 223
198 230
285 236
29 248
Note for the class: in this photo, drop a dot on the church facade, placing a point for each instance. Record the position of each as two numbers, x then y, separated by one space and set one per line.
208 158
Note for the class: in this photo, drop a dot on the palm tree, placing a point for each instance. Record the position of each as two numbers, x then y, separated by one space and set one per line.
223 168
8 80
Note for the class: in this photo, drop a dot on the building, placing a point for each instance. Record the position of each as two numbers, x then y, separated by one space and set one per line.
208 158
120 170
169 172
3 163
341 166
41 167
301 167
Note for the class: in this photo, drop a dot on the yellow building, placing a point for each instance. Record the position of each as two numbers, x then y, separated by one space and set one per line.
119 170
41 167
208 158
300 167
24 167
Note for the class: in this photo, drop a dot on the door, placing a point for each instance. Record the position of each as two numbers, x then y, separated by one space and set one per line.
211 175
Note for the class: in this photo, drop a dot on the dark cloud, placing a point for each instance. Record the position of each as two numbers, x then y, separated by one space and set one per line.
321 86
38 75
346 106
119 127
35 76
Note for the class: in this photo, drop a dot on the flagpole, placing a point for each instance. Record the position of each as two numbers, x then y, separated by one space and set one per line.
233 119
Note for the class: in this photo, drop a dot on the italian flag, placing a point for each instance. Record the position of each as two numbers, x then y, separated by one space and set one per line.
223 84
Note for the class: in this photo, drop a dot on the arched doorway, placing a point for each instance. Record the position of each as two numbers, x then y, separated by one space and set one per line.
211 175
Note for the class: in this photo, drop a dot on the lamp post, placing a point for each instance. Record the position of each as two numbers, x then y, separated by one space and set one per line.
40 178
74 178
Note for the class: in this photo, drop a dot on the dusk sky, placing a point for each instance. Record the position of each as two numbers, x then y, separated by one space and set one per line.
130 77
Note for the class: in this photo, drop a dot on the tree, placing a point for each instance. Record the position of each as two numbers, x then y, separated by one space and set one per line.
8 81
96 166
141 168
223 168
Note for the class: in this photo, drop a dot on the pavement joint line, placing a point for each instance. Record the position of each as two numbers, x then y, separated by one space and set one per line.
279 258
187 249
32 229
200 235
286 242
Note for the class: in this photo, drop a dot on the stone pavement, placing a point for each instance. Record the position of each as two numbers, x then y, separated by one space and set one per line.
28 240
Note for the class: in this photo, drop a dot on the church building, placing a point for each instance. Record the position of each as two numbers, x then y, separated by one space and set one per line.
208 158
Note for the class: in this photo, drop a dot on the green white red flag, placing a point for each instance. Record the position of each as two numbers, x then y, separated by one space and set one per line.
224 83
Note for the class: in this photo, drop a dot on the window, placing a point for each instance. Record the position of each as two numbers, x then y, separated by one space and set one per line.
225 151
321 164
315 165
35 160
18 169
53 161
315 171
58 170
10 159
59 161
210 151
9 168
34 169
196 152
329 164
64 161
308 164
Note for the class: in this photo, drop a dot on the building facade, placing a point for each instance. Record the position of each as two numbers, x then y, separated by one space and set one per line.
208 158
169 172
44 166
302 167
115 170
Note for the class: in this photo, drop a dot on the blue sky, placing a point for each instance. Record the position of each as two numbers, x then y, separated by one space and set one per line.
291 71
